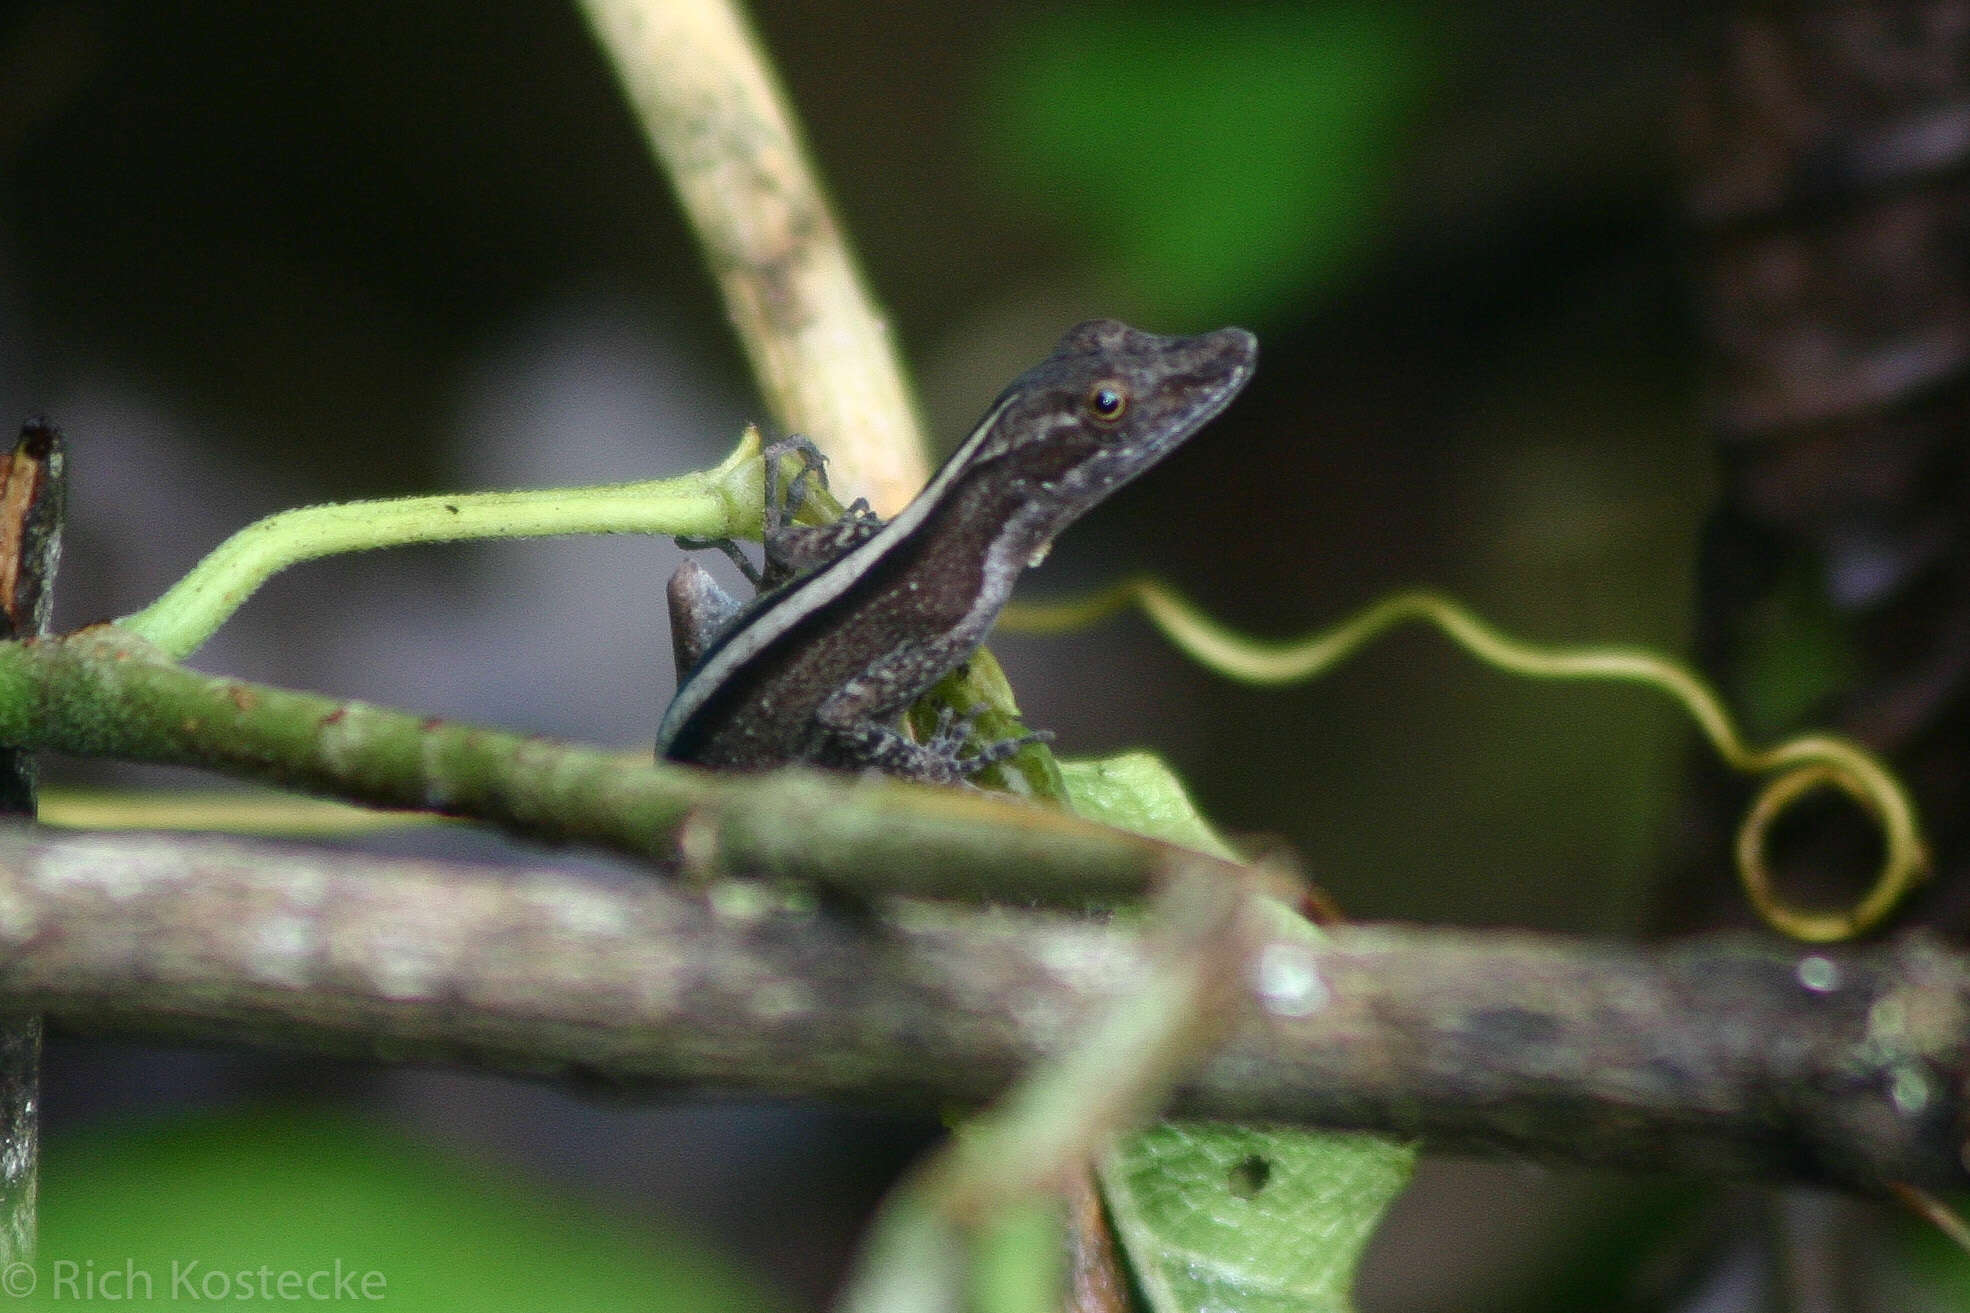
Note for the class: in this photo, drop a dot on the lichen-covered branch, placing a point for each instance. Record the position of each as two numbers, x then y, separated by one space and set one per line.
103 692
1725 1055
713 113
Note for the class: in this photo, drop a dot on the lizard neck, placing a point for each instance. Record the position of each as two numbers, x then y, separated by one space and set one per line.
990 525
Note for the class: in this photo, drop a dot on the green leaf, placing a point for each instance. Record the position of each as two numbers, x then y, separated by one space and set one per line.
1222 160
1219 1217
1224 1217
1136 791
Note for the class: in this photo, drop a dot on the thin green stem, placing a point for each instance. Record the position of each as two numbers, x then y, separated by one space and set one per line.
724 501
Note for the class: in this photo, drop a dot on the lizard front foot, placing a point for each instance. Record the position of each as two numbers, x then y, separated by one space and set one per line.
953 732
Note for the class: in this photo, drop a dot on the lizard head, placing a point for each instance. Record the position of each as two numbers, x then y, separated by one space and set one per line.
1106 405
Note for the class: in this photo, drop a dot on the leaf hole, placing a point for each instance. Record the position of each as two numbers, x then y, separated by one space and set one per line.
1247 1178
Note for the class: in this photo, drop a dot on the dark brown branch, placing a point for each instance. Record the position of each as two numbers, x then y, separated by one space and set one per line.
33 505
1712 1056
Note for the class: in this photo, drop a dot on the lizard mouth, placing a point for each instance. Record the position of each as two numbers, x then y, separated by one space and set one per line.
1204 374
1232 354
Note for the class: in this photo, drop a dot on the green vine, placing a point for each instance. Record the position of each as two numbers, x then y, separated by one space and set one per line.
720 502
1798 766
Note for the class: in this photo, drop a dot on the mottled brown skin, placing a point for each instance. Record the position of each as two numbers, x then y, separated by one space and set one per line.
819 670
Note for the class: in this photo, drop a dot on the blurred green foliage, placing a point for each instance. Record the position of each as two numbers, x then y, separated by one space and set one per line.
1796 652
1933 1263
235 1200
1224 162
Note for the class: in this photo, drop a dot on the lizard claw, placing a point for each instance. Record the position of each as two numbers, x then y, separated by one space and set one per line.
1002 750
780 511
953 728
953 731
692 543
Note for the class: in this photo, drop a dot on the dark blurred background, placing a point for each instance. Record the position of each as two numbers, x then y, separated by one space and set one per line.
256 255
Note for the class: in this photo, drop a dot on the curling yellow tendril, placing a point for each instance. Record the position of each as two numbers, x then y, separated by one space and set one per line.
1800 765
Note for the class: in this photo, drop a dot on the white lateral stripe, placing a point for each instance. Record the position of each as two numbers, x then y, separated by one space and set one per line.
823 587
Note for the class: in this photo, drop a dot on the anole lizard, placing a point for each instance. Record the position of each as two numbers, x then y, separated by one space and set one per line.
819 669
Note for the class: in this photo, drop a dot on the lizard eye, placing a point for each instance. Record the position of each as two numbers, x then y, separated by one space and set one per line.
1107 402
